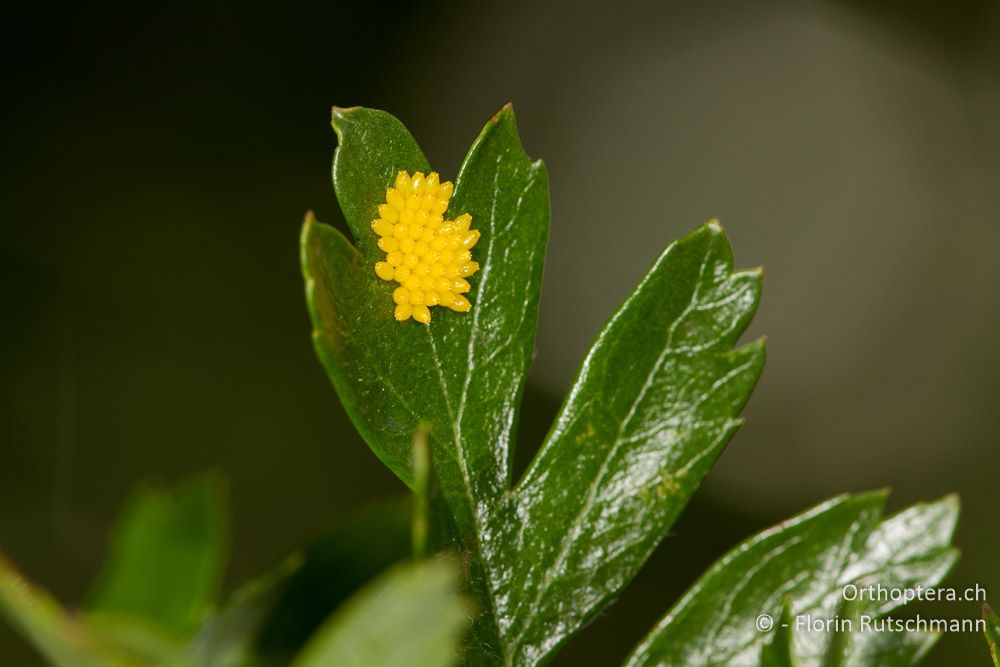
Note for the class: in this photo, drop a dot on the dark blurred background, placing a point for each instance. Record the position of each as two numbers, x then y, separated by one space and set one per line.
157 161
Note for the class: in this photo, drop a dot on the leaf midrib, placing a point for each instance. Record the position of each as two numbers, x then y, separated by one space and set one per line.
455 419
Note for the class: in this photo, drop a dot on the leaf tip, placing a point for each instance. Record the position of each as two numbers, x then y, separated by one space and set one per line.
308 222
882 494
953 501
506 110
338 115
761 344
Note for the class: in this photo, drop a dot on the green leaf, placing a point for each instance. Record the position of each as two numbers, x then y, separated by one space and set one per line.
840 646
809 559
167 556
847 646
412 615
992 633
654 405
463 374
780 651
892 649
61 638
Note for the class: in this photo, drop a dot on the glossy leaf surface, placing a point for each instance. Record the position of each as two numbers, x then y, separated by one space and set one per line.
808 559
462 375
656 402
779 651
654 405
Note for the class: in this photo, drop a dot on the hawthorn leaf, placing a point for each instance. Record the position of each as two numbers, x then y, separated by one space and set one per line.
892 649
654 404
462 375
810 560
780 650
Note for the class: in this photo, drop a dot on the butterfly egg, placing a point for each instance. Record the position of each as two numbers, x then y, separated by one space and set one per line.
470 238
382 227
422 314
427 256
395 200
431 183
444 192
388 213
417 184
460 304
403 312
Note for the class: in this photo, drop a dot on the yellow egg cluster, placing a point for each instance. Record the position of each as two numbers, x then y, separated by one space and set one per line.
428 256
